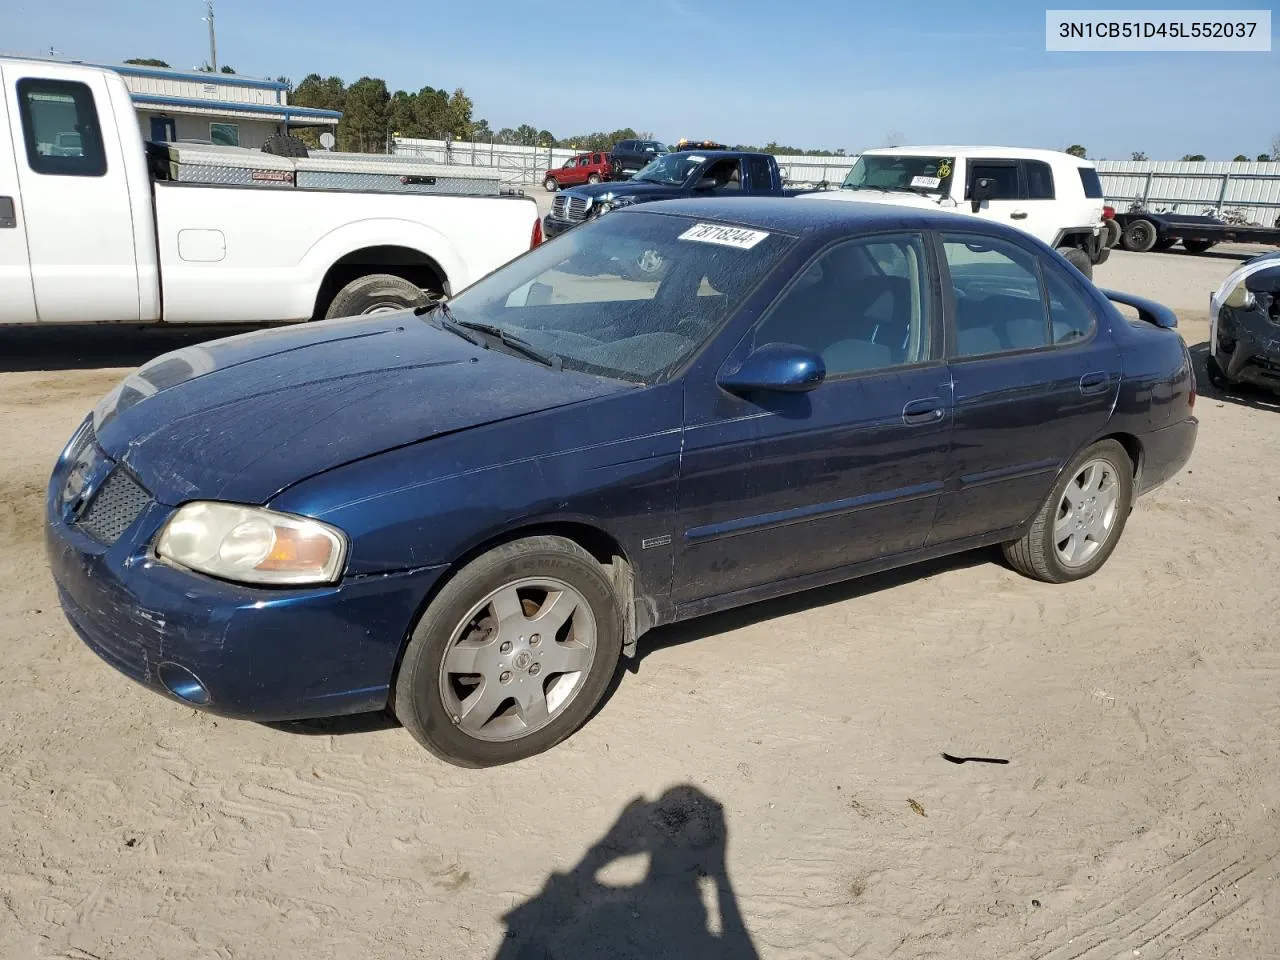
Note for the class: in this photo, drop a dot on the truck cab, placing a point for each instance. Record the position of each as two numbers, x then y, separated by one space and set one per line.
686 173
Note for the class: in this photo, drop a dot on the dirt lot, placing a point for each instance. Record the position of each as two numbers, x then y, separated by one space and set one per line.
793 799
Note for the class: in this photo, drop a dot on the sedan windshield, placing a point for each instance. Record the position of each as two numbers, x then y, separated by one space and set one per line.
629 296
891 172
670 170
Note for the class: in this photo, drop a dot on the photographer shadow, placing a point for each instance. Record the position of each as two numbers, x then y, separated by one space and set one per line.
683 907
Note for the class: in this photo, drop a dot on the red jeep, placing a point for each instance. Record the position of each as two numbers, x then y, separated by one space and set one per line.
583 168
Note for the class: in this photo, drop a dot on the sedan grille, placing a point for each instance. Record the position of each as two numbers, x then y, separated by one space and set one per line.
569 208
114 508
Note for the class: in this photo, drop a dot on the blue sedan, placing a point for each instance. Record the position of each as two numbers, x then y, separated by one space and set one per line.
469 512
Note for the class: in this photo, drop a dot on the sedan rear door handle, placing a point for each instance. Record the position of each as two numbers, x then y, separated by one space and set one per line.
925 410
1096 382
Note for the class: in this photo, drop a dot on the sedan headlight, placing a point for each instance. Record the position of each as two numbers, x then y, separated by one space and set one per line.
252 545
1241 297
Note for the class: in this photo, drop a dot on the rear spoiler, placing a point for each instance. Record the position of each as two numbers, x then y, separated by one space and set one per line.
1150 311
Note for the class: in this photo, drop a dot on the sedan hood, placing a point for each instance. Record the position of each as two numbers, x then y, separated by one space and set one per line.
244 417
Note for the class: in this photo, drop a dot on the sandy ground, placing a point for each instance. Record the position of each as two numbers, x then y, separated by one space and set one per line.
776 788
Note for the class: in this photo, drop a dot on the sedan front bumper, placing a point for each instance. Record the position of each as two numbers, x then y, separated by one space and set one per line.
1245 347
243 652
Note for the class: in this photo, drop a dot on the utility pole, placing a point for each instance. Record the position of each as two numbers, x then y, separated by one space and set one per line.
213 42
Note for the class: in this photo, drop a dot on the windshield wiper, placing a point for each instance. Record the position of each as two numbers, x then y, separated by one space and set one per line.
512 342
446 320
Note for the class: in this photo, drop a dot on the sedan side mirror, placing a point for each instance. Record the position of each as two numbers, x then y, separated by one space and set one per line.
780 367
983 189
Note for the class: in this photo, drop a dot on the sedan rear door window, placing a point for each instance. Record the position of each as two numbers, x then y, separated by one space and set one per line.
998 302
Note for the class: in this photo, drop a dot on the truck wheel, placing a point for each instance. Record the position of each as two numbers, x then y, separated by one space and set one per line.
1196 246
594 178
376 293
1078 259
1139 236
550 185
284 145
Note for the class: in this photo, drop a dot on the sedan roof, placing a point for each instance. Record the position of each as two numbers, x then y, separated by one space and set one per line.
785 215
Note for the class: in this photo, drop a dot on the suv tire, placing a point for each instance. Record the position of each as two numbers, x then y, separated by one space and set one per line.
1078 259
550 185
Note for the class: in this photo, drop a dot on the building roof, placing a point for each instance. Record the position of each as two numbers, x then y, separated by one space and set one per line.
166 73
262 111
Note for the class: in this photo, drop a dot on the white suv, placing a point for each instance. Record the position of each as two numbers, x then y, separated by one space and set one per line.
1051 195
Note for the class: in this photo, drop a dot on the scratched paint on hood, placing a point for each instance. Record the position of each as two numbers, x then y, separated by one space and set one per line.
241 419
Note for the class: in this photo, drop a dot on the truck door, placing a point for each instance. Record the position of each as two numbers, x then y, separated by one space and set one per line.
75 195
17 301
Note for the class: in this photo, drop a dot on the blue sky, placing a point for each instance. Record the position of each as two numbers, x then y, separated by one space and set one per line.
816 73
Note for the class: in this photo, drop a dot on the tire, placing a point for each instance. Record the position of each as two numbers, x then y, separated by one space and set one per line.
1196 246
1036 554
593 178
1139 236
1217 376
429 698
283 145
550 185
376 293
1078 259
1103 256
1162 245
1113 233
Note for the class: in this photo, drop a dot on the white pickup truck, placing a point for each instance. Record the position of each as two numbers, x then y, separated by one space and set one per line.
96 226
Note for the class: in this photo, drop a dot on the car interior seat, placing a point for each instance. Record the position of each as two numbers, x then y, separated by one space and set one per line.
999 322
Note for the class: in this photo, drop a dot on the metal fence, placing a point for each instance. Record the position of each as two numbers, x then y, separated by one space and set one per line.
1245 192
1241 192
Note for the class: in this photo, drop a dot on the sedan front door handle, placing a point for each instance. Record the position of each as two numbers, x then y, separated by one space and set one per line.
925 410
1018 215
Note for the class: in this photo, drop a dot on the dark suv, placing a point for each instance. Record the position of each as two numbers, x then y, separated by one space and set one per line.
630 155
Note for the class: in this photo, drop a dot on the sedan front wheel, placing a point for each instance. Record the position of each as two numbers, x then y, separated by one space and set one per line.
1080 522
512 656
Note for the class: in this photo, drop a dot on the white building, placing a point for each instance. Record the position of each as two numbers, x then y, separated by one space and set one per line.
223 108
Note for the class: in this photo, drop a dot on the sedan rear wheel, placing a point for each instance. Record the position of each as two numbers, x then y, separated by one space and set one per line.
512 655
1080 522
